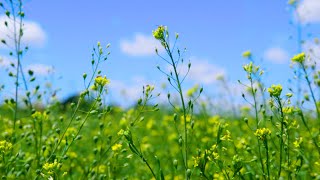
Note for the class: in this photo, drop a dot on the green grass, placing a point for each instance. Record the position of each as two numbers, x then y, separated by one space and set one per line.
219 147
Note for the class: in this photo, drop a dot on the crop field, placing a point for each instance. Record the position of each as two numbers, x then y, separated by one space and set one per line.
273 134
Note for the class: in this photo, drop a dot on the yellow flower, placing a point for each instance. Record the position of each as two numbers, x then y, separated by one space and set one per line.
288 110
215 155
40 116
248 67
71 132
275 90
5 147
101 81
72 155
159 32
116 147
299 58
149 88
251 68
298 142
188 118
196 161
51 167
121 132
262 133
102 168
247 54
213 147
227 136
291 2
214 120
192 90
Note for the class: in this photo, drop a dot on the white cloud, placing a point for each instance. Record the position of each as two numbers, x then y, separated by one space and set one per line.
276 55
309 11
141 45
202 71
40 69
33 34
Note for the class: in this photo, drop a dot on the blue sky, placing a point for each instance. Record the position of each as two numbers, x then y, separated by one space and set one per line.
215 32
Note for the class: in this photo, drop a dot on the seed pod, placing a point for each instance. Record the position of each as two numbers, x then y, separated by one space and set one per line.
180 141
95 139
188 173
175 163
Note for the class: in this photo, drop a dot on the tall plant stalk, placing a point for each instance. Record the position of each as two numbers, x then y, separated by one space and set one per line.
15 16
176 80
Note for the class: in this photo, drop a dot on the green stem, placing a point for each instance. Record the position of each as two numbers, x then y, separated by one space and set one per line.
314 140
261 161
40 141
288 152
36 142
281 134
145 161
81 126
183 106
255 102
267 154
257 122
17 49
311 91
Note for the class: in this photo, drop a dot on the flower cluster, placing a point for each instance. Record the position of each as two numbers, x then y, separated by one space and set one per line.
288 110
251 68
262 133
100 82
299 58
297 142
148 90
159 32
116 147
51 167
227 136
5 147
40 115
275 90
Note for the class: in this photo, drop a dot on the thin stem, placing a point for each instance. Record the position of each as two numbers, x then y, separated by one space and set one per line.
145 161
267 154
261 161
299 45
314 140
257 122
183 107
281 134
81 126
255 102
311 91
17 48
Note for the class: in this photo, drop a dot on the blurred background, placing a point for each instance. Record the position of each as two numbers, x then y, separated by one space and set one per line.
61 34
